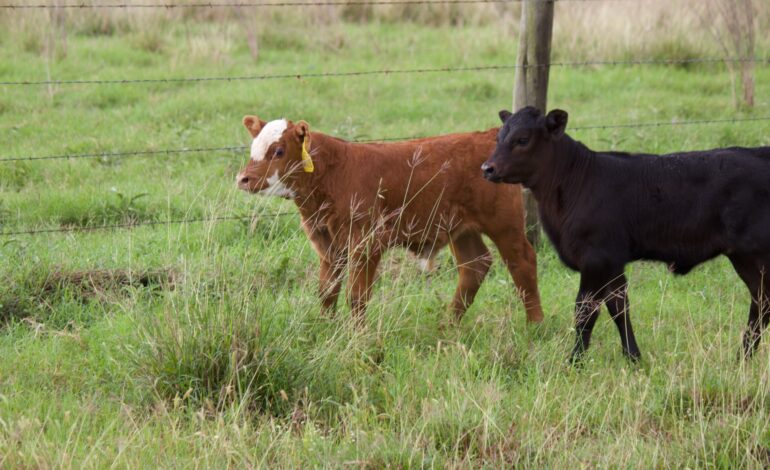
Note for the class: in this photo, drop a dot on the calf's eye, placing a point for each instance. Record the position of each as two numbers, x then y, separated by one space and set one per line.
278 152
522 141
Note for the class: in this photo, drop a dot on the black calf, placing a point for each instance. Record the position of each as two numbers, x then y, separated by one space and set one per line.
603 210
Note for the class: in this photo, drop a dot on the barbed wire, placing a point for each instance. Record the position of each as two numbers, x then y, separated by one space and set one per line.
139 153
132 225
171 6
361 73
239 148
128 153
670 123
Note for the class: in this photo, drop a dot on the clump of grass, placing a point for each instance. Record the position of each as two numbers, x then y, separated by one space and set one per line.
102 23
209 351
216 346
431 15
150 40
283 39
117 208
463 424
672 48
36 290
95 283
20 291
480 90
32 43
112 98
14 307
5 214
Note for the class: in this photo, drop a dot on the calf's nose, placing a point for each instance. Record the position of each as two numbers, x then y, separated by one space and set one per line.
242 181
488 169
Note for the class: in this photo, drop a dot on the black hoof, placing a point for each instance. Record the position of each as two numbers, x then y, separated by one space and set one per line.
745 354
575 359
633 356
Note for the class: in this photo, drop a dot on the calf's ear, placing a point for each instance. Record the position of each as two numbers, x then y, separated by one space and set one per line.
504 114
302 129
555 123
253 124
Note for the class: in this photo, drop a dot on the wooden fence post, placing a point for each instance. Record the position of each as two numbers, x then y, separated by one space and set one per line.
531 85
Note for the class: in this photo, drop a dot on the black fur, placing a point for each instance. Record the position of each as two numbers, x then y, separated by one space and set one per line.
603 210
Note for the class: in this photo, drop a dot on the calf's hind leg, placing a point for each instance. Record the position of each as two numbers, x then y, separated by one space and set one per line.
473 261
754 275
520 259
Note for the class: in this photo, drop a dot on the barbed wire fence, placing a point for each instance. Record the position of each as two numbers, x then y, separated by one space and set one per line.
362 73
310 75
240 148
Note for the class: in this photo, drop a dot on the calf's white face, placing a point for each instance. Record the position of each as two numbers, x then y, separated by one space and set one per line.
270 134
272 157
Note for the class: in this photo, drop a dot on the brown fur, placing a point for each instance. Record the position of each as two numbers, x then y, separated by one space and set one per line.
424 194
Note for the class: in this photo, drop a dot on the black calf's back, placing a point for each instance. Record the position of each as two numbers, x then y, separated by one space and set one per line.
681 209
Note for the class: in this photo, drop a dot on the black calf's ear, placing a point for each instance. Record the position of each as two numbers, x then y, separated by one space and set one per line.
555 123
504 115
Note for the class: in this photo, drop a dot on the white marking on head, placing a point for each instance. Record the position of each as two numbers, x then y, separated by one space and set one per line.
277 188
269 134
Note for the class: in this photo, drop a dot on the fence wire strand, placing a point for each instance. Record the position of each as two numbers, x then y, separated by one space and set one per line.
362 73
239 148
670 123
128 153
148 223
140 153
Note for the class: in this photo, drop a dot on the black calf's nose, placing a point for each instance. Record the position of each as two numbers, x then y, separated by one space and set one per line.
488 169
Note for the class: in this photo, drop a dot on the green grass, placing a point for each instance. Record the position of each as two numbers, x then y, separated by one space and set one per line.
234 366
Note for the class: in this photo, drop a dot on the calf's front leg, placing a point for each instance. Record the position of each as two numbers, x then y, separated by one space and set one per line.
332 264
595 280
330 283
616 299
586 312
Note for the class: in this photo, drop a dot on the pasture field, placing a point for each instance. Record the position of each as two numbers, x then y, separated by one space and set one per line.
205 346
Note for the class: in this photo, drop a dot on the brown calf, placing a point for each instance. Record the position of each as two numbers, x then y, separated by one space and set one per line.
356 200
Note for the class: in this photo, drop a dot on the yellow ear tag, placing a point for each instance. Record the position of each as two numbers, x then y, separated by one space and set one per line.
307 162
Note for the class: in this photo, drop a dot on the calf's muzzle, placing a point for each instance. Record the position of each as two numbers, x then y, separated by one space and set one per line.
489 170
242 181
